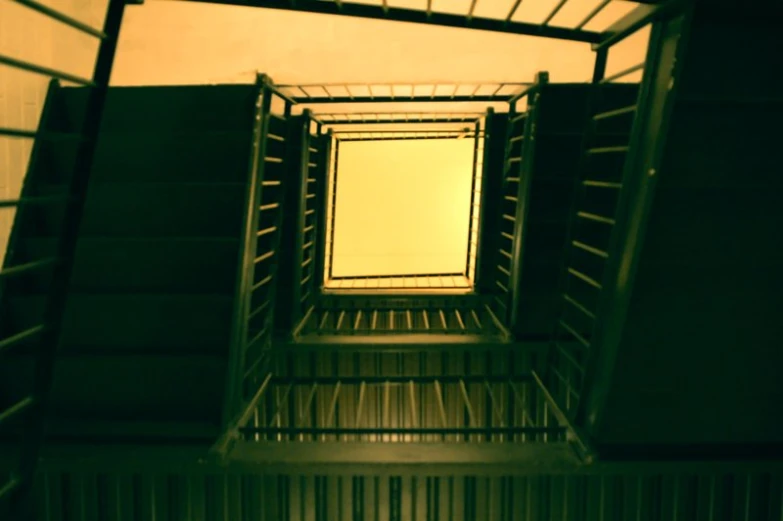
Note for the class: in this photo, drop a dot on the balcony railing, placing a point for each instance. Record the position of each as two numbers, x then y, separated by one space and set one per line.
459 397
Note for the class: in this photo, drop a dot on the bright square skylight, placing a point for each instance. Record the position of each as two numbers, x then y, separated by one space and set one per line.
402 207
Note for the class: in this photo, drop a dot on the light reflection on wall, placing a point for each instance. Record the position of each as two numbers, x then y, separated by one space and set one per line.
402 207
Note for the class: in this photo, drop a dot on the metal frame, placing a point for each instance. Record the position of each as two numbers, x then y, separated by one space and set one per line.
383 11
18 487
402 317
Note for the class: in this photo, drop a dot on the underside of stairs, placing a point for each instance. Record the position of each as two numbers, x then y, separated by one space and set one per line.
147 322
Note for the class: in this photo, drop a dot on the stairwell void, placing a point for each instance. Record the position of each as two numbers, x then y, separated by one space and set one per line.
404 212
173 281
427 356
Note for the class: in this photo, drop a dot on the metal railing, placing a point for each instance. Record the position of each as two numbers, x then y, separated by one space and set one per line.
588 246
453 397
503 17
401 135
259 254
42 339
386 118
405 408
372 316
309 250
474 218
425 282
428 281
388 93
618 112
517 164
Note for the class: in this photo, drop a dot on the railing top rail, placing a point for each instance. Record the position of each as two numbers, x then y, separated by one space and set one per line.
402 92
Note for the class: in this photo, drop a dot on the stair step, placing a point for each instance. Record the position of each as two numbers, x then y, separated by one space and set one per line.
122 387
164 209
173 156
144 265
170 108
146 210
133 322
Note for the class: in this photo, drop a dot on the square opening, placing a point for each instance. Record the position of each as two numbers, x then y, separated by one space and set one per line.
403 214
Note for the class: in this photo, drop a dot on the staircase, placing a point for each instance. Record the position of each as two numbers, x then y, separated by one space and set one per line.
697 358
148 319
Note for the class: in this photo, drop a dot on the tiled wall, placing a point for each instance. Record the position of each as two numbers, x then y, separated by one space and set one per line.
31 37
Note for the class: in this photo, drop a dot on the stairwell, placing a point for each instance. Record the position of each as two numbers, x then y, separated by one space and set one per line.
148 317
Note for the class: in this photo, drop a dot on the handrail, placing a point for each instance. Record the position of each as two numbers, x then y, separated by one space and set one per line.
247 253
252 323
657 92
590 266
515 184
61 264
302 290
522 197
427 16
479 261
